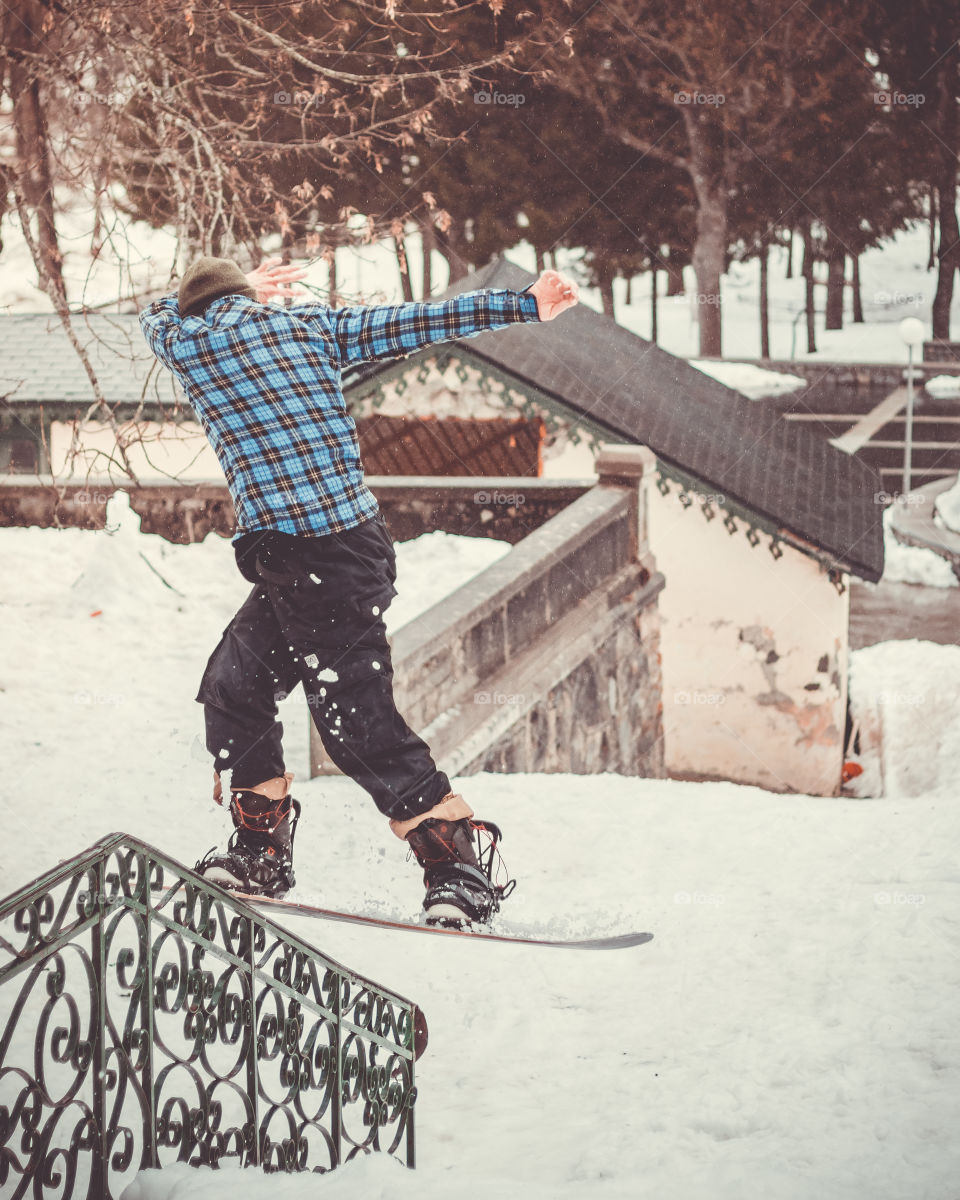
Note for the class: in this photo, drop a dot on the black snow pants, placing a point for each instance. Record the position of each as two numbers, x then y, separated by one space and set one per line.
315 617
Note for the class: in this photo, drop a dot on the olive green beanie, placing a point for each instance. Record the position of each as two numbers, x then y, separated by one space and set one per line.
209 279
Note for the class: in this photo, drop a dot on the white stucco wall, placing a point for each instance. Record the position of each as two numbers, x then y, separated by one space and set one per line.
754 656
170 451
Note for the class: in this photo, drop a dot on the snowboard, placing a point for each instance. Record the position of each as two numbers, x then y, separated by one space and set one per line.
271 906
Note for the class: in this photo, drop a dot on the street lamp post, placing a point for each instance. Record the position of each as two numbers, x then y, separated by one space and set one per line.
912 334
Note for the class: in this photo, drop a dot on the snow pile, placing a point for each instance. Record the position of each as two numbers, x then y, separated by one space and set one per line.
124 564
373 1177
912 564
791 1031
944 387
756 383
121 569
905 697
947 508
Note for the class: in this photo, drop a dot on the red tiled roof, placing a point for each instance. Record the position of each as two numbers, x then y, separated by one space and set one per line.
450 446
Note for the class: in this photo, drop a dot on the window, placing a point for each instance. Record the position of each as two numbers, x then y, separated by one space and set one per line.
23 457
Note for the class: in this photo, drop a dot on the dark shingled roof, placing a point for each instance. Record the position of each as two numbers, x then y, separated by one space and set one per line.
775 468
38 363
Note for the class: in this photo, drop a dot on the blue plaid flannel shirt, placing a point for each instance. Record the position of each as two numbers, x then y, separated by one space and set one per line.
264 382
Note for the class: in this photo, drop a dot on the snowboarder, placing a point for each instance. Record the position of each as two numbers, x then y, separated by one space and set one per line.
264 381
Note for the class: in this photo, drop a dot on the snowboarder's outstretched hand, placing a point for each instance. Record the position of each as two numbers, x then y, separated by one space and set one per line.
555 293
275 278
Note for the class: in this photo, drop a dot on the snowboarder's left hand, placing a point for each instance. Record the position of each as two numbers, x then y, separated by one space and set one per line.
274 278
555 293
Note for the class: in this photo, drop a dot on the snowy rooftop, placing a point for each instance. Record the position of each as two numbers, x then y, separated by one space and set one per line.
39 366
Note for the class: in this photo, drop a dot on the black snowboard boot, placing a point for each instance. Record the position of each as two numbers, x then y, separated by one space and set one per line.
460 891
258 859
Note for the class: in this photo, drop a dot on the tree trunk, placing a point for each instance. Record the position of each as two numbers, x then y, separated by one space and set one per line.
406 284
708 257
539 259
332 298
449 245
836 271
932 249
31 168
857 294
654 332
765 301
674 277
790 240
947 257
808 257
428 241
629 297
606 292
948 251
289 250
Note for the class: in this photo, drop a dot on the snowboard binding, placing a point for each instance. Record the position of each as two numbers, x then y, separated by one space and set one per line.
258 860
464 872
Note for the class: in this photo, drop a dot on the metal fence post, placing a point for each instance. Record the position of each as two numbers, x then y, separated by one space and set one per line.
98 1057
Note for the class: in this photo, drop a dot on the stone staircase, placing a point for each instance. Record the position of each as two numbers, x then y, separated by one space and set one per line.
548 660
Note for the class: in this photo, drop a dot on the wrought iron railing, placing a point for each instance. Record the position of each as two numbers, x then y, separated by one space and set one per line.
148 1017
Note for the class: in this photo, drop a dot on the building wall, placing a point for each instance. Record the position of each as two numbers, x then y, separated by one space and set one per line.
174 451
754 656
456 389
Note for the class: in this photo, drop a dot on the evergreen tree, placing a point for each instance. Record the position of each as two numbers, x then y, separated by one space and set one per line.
710 95
917 46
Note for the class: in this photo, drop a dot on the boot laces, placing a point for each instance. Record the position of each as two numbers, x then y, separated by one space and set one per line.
254 843
487 837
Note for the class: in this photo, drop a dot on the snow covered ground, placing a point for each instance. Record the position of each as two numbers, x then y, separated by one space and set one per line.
943 387
112 630
790 1032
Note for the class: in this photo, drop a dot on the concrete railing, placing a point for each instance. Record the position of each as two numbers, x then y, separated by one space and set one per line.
507 509
549 659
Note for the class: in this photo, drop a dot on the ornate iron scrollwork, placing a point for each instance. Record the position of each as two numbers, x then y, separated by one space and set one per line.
148 1017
